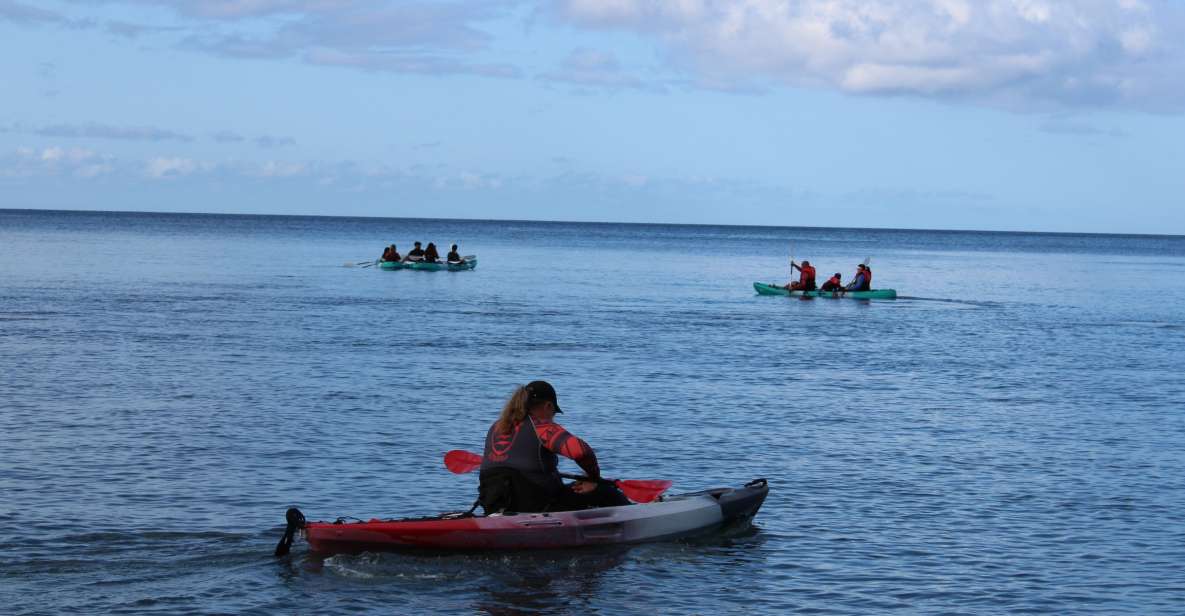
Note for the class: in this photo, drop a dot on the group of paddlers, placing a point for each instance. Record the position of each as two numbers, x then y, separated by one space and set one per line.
861 281
417 254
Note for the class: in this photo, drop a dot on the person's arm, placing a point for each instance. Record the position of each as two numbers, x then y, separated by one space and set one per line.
561 442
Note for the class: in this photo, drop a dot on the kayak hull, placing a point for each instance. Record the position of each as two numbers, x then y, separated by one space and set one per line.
460 267
772 289
429 267
672 518
423 266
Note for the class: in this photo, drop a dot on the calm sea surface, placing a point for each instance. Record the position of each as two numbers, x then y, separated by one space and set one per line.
1008 436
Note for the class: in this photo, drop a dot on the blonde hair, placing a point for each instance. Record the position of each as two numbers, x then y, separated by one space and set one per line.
514 411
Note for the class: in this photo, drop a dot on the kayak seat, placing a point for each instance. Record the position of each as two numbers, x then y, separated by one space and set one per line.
504 490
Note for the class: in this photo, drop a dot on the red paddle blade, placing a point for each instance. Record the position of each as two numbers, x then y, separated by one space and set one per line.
642 490
460 461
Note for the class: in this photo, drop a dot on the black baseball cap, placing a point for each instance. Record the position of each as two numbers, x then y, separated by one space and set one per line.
540 391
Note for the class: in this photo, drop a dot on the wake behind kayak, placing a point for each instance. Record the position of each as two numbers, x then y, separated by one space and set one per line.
673 517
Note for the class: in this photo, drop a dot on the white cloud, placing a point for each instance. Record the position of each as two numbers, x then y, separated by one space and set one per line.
1019 53
56 161
468 180
164 167
280 169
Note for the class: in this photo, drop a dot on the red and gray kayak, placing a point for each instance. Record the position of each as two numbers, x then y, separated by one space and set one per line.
673 517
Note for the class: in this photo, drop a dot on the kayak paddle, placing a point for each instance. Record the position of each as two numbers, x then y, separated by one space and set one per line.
459 461
638 490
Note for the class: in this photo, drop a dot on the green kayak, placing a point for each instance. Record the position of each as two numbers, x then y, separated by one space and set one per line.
423 266
773 289
468 264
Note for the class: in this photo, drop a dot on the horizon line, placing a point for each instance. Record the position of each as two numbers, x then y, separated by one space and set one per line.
589 222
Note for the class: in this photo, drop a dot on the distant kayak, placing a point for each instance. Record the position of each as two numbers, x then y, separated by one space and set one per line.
673 517
468 264
773 289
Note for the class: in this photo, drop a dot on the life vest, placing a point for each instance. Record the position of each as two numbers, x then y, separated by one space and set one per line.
807 275
867 279
522 451
834 280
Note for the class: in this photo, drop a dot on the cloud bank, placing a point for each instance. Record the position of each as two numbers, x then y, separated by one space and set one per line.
1022 54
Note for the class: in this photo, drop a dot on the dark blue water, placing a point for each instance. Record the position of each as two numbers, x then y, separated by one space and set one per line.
1007 437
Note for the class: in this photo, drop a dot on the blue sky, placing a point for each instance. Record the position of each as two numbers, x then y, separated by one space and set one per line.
955 114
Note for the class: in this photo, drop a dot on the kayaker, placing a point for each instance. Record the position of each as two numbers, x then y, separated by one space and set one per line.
862 281
430 254
834 283
454 256
386 254
806 277
415 254
520 466
391 253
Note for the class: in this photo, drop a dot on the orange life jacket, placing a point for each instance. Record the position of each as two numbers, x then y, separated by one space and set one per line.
807 275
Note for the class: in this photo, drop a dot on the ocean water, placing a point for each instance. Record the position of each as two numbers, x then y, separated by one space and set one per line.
1006 437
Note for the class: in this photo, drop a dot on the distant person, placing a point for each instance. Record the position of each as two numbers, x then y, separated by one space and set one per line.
430 254
454 256
835 283
806 277
862 281
391 253
415 254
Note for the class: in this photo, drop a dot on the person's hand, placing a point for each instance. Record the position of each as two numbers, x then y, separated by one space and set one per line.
584 487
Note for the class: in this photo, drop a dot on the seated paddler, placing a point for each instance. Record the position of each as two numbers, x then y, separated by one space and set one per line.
806 278
520 466
454 256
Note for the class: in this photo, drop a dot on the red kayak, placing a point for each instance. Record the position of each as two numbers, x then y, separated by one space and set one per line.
670 518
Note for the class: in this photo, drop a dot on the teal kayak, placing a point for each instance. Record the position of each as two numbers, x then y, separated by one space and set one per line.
423 266
773 289
468 264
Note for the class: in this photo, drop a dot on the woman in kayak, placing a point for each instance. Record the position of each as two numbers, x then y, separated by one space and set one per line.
454 256
834 283
806 277
862 281
390 254
430 254
520 466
